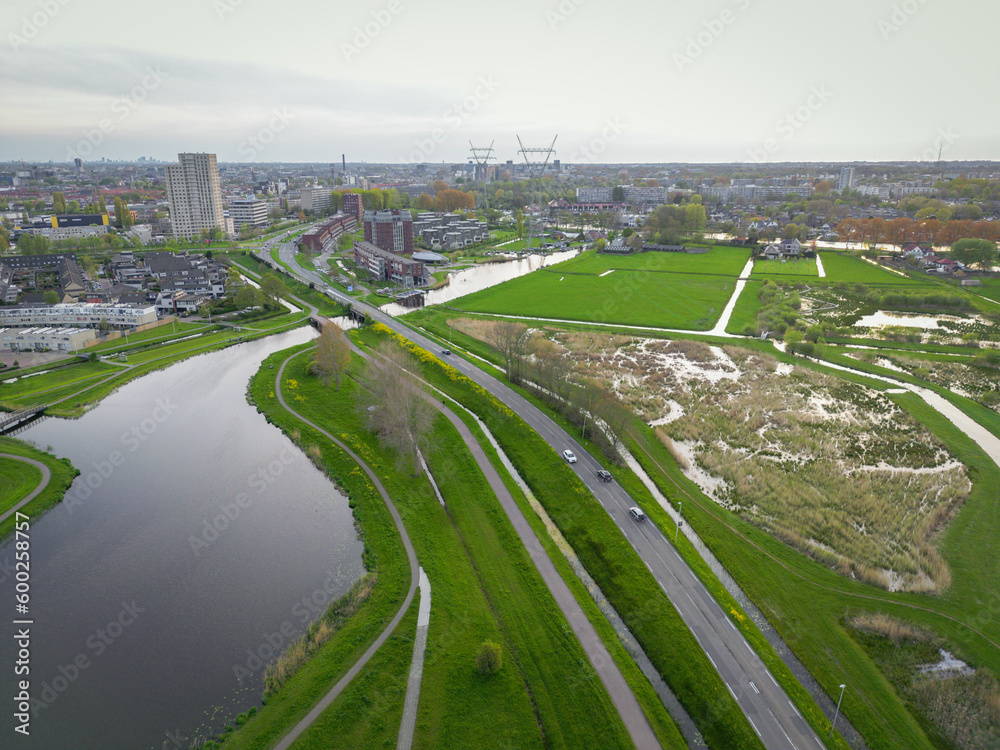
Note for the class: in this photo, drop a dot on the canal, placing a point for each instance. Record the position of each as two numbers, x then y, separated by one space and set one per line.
195 544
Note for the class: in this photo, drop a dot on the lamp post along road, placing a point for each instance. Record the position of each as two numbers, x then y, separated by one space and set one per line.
837 714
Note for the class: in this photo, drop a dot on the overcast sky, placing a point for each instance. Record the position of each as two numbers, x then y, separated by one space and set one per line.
416 80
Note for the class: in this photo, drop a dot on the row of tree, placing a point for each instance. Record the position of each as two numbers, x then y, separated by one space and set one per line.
877 231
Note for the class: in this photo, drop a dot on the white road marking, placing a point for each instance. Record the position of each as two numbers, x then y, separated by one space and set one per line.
755 727
754 687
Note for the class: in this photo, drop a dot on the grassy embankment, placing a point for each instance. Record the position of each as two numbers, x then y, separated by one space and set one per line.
607 556
380 684
18 479
484 587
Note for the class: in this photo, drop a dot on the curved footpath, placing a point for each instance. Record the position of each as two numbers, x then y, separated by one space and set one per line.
327 699
46 478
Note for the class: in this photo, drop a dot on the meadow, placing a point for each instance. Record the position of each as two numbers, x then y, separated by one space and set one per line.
801 267
722 261
842 267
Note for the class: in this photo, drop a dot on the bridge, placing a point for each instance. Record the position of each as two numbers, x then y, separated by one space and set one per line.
10 421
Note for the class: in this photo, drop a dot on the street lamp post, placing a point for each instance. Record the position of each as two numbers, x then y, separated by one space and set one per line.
680 520
837 714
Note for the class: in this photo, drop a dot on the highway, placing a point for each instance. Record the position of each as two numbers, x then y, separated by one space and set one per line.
765 703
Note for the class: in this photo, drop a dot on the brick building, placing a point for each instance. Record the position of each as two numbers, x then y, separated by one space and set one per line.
390 230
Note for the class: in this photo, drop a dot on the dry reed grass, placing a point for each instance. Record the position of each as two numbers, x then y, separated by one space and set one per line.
834 469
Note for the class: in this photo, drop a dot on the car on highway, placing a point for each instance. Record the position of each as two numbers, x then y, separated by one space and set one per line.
570 456
446 351
604 475
637 515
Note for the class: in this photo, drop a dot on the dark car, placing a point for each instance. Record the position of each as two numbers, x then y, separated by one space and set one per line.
604 475
446 351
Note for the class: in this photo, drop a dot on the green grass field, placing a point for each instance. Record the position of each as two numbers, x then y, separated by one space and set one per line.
778 268
745 312
724 261
641 290
841 267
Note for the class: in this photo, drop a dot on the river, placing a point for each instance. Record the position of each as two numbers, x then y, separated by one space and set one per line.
197 541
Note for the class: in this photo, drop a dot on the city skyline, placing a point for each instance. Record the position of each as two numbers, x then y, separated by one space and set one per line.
735 81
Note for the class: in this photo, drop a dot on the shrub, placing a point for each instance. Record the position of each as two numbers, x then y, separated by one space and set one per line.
489 659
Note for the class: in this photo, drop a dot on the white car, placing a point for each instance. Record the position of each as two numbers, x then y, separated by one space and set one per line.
570 456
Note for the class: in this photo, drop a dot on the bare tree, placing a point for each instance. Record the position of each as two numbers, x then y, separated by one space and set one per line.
394 403
511 340
333 354
616 417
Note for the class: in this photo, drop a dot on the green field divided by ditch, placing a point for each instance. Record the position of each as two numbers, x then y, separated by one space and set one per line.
660 290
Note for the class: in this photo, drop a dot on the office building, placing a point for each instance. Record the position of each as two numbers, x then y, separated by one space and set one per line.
252 211
195 195
316 198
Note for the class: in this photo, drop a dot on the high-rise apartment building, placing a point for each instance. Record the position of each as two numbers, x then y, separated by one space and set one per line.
390 230
353 205
195 195
846 181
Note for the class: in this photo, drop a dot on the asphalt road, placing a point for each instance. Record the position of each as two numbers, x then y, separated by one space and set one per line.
773 716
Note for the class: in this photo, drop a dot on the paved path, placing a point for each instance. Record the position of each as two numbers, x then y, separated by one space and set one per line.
614 682
409 722
335 691
46 477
